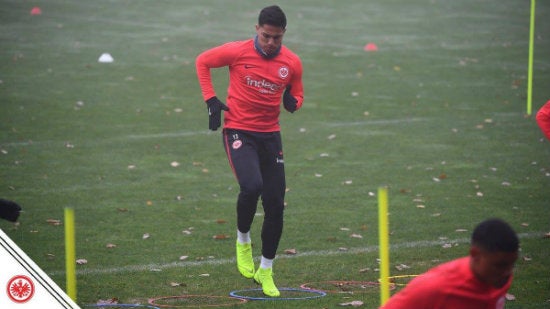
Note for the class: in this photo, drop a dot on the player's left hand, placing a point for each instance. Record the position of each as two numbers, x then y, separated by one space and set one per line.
289 101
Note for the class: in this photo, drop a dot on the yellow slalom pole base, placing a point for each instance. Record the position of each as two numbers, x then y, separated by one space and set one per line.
70 254
384 245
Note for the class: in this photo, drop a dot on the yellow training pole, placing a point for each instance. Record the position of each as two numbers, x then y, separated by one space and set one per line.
384 244
70 255
531 51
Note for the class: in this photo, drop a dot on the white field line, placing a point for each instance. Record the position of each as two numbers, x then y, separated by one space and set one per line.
62 143
321 253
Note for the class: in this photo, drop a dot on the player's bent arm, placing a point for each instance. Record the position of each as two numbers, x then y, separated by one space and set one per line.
216 57
296 85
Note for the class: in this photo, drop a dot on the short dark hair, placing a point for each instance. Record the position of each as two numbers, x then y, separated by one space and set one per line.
273 16
495 235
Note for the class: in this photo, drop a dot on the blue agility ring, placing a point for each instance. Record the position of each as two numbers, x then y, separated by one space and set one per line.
122 306
316 294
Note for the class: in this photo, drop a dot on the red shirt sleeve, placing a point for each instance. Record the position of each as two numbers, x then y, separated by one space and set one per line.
543 119
216 57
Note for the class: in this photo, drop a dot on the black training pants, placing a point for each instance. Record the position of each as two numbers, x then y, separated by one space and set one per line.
256 159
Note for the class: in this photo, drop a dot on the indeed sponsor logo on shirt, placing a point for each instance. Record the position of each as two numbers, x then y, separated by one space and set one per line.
264 85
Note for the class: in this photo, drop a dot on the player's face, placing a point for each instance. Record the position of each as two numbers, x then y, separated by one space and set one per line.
270 37
494 268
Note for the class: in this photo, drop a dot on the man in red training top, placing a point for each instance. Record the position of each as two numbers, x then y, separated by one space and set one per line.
478 281
543 119
261 72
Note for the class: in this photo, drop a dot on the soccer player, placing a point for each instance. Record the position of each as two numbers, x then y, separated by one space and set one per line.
543 119
478 281
262 71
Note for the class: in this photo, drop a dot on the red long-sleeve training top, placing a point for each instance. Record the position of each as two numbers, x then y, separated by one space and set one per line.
451 285
256 84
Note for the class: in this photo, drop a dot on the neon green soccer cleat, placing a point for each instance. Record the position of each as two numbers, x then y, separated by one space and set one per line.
264 276
245 263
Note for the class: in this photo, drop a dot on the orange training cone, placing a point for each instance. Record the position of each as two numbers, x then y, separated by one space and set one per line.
370 47
36 11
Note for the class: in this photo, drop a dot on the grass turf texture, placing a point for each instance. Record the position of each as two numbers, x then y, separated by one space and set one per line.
445 131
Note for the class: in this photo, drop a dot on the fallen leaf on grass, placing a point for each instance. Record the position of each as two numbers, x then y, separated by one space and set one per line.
81 261
111 301
221 236
355 303
146 236
461 230
175 164
547 235
54 222
110 246
527 258
290 251
510 296
221 221
355 236
401 267
175 284
183 257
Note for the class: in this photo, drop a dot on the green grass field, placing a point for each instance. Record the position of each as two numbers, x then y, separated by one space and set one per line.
437 114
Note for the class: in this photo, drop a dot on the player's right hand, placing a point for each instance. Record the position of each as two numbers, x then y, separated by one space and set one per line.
215 108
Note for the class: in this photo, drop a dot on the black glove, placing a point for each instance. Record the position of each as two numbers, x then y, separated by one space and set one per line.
289 101
9 210
215 107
